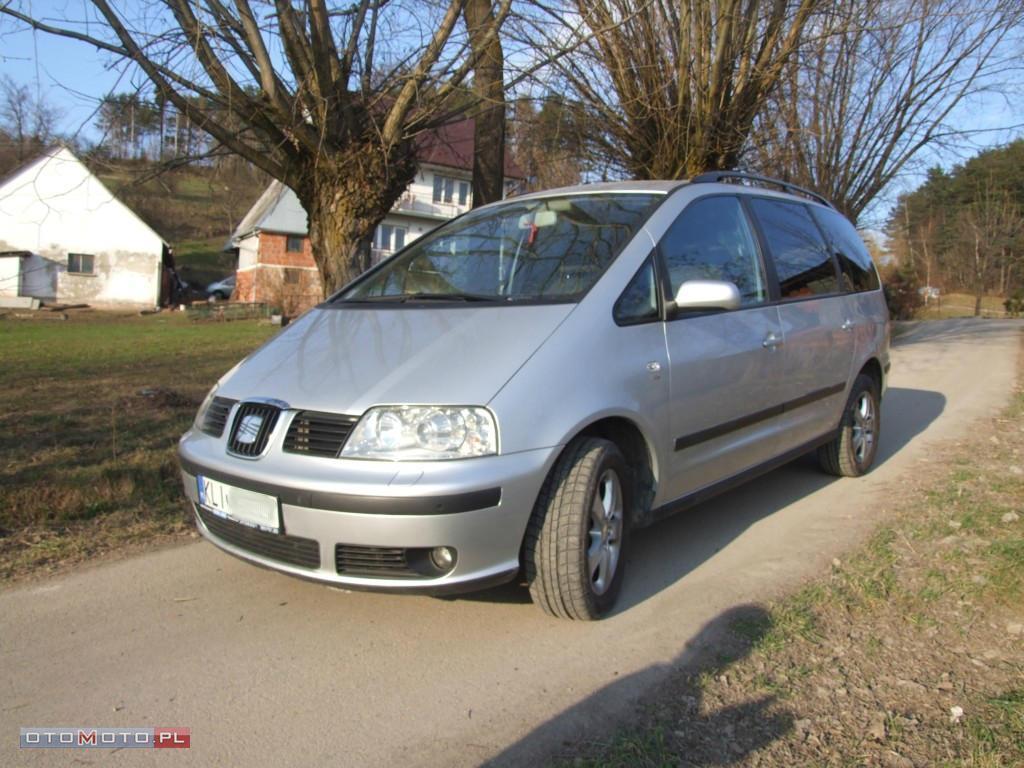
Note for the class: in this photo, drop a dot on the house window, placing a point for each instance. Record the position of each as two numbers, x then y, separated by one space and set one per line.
295 243
81 264
389 237
292 276
446 188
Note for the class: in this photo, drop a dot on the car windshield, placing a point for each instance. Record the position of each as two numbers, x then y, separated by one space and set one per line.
552 248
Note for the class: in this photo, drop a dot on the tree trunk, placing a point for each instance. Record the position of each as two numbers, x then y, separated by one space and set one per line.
345 198
977 302
489 89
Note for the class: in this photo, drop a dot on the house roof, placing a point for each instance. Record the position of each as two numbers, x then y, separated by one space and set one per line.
277 210
451 145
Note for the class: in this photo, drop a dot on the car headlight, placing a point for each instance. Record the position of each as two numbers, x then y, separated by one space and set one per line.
418 433
205 406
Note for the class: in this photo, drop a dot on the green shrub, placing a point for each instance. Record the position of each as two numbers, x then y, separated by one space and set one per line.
902 294
1015 304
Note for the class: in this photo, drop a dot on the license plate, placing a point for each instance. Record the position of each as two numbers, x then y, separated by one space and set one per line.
243 506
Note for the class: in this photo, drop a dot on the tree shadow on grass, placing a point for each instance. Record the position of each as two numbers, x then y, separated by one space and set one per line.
635 721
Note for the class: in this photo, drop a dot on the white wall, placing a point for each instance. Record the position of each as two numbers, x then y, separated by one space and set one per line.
248 252
55 207
10 274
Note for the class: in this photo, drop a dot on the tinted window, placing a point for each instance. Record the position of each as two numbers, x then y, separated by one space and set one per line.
546 248
801 259
712 240
854 260
639 302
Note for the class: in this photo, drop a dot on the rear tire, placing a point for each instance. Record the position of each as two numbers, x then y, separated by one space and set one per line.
574 544
853 450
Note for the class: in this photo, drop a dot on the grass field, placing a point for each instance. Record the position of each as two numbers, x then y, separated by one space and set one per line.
92 409
961 305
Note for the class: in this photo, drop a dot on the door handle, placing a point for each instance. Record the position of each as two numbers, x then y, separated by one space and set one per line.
847 325
771 341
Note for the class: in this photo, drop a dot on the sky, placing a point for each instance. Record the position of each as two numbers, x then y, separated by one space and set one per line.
68 74
73 76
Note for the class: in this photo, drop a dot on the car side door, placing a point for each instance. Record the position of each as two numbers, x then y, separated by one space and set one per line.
818 350
864 306
725 367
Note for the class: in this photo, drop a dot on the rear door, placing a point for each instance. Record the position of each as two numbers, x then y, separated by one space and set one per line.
726 368
818 348
860 285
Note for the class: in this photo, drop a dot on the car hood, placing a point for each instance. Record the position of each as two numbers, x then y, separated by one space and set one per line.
346 360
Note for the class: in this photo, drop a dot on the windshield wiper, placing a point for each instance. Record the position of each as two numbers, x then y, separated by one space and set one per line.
402 298
451 297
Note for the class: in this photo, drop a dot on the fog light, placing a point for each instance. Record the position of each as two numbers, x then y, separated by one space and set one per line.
443 558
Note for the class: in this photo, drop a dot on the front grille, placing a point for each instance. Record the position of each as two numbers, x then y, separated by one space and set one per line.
380 562
318 434
293 550
216 416
251 429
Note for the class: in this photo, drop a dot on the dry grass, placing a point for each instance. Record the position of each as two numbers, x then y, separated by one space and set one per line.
961 305
92 410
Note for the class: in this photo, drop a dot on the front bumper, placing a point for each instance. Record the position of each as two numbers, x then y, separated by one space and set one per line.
480 507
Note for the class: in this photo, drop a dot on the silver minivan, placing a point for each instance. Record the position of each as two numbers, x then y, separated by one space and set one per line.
513 392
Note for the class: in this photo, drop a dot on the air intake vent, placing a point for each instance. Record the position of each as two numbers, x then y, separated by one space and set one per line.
216 416
386 562
293 550
251 429
318 434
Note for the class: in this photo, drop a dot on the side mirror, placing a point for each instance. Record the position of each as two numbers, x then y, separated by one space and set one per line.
707 294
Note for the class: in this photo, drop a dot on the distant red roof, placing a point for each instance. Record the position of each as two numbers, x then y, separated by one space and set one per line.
451 145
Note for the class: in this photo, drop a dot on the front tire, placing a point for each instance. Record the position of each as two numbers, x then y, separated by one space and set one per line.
573 549
852 452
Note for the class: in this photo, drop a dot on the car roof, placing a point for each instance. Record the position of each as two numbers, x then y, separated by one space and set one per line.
663 187
656 187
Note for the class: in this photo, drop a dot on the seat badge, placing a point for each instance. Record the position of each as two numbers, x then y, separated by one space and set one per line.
249 429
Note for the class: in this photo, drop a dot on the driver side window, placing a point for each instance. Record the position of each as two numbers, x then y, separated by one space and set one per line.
712 240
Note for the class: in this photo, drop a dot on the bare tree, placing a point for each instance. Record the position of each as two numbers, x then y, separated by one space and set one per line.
29 120
489 88
672 88
326 96
547 143
876 83
991 229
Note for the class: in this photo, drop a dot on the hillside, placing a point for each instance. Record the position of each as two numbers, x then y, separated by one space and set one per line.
194 207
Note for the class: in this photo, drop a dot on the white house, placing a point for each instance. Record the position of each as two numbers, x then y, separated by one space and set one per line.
275 260
65 238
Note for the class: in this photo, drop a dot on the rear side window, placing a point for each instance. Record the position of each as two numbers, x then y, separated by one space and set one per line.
801 259
712 240
854 260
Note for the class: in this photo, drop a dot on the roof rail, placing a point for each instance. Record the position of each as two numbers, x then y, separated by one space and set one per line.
714 176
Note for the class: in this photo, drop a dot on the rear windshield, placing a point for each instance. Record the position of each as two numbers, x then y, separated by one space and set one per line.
551 249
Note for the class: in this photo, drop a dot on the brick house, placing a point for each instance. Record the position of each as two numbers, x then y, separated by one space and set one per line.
275 259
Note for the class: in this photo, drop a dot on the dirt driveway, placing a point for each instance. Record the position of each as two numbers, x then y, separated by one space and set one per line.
268 670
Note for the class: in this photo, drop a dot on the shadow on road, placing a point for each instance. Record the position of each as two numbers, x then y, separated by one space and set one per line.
665 553
718 738
973 329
